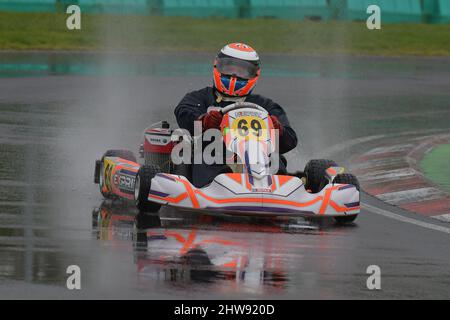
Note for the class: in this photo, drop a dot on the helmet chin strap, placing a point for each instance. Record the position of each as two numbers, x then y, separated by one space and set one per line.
221 97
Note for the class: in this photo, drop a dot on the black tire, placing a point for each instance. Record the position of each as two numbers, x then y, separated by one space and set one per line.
315 174
345 219
142 187
98 165
124 154
196 257
184 170
346 178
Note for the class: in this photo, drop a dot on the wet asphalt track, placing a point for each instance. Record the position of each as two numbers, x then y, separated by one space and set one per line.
52 215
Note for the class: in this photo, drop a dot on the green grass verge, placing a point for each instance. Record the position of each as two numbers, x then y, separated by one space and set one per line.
33 31
435 166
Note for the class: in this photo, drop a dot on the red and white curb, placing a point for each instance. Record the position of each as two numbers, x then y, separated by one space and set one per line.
391 172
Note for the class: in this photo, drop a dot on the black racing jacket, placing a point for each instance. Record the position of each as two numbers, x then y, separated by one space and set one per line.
196 103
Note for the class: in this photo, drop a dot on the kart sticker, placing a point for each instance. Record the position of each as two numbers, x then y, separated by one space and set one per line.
249 127
124 182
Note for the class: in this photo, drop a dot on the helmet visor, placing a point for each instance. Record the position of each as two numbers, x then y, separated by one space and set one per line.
237 68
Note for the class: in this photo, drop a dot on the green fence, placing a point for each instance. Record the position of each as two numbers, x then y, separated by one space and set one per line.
437 11
28 5
200 8
290 9
392 11
432 11
113 6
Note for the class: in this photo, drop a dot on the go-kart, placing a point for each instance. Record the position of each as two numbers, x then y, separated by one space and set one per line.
324 190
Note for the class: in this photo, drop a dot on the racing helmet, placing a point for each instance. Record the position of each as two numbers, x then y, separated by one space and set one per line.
236 70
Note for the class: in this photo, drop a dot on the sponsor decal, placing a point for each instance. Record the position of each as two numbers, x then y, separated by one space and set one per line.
125 182
248 114
158 140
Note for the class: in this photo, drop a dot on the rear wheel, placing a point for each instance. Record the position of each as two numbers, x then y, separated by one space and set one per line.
315 174
142 187
346 178
99 168
124 154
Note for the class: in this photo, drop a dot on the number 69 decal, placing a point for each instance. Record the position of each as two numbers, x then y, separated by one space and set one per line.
249 128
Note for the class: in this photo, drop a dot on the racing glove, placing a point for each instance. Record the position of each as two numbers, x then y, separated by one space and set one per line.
277 125
211 120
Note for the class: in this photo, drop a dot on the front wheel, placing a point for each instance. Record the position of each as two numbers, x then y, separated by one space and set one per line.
345 219
142 187
346 178
315 174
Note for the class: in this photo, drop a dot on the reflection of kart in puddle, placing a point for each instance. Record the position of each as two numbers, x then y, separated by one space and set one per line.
201 248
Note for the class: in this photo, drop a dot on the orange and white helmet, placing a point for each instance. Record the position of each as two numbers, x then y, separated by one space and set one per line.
236 70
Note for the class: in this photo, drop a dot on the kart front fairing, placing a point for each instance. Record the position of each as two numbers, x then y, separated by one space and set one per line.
248 132
232 193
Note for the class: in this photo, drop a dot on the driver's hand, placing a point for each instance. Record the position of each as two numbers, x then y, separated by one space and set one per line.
211 120
277 124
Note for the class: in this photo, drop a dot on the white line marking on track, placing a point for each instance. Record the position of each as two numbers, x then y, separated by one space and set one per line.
412 195
387 175
406 219
442 217
372 164
395 148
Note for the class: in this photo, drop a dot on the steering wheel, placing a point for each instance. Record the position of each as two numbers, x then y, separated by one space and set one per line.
242 104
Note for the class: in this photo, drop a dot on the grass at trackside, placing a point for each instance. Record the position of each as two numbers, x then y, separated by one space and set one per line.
32 31
435 166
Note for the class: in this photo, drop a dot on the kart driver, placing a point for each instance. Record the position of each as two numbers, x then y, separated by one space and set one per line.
235 73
